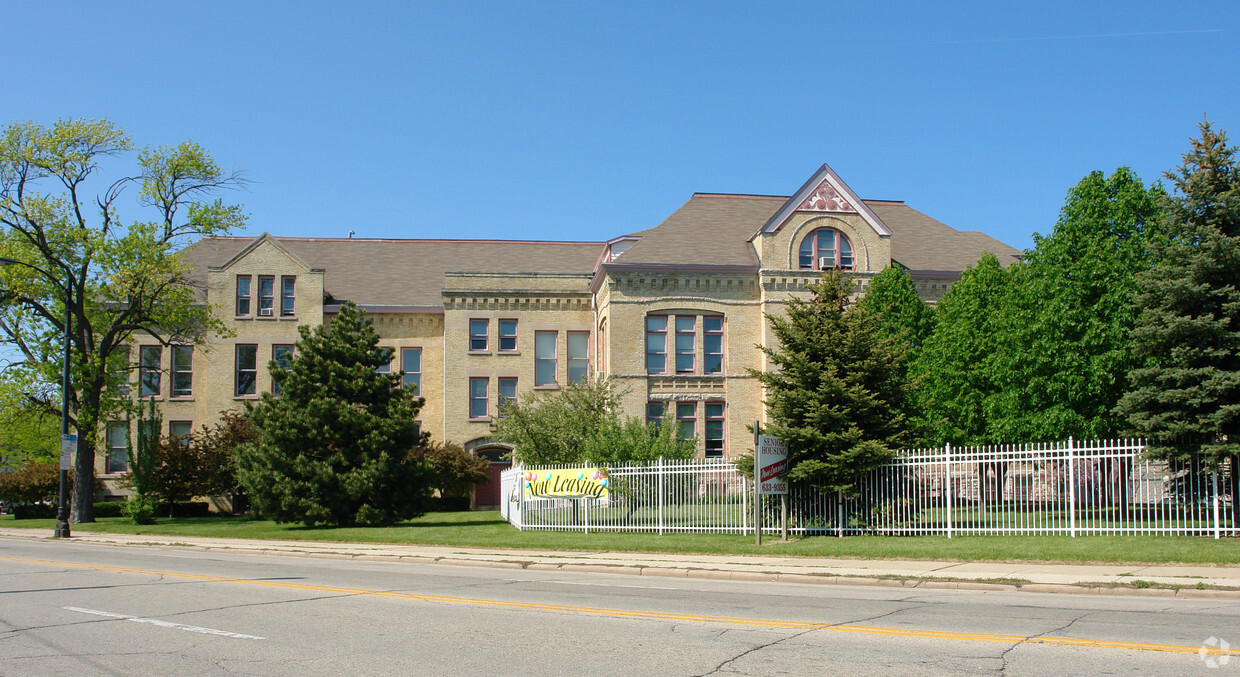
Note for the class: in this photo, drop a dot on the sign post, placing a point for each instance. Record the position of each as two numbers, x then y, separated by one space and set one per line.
770 465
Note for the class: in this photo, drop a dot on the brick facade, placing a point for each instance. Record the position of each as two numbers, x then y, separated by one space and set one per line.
719 262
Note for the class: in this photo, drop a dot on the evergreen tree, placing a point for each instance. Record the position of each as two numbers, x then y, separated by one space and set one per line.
1071 313
963 370
836 391
335 446
1186 397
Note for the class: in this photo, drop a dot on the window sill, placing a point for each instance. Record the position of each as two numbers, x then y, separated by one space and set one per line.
508 352
549 386
484 419
181 398
479 352
245 397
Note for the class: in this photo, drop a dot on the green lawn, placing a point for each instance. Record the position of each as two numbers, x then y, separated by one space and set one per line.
486 529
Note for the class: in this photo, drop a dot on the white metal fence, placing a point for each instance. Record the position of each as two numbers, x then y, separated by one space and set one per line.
1072 488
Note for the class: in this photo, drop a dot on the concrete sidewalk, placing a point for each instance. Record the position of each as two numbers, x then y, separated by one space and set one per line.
1170 580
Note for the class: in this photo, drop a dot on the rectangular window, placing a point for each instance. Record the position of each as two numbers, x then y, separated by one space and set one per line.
478 394
602 348
282 355
545 357
712 345
507 393
655 411
384 354
411 364
118 447
151 359
656 344
288 295
686 335
119 371
578 356
266 294
181 430
714 429
182 371
245 373
243 295
478 331
507 335
686 416
148 433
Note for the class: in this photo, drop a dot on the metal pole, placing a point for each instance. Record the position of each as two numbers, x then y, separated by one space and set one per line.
62 508
757 487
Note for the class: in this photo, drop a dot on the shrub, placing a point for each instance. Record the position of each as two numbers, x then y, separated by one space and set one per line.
140 509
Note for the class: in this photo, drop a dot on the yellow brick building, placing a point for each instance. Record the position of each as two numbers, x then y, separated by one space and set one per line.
673 314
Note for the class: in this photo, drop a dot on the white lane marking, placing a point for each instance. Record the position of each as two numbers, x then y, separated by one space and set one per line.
163 624
593 585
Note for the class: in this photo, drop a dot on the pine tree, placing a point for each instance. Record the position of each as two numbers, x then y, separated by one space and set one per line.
1186 397
335 446
836 392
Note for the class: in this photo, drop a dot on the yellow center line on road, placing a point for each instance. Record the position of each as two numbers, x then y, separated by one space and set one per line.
658 615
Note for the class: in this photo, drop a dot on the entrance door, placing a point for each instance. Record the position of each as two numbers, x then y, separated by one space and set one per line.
486 495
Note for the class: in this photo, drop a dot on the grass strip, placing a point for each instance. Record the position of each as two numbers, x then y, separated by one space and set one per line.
487 529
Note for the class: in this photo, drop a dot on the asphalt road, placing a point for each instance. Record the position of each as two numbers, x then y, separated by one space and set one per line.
86 609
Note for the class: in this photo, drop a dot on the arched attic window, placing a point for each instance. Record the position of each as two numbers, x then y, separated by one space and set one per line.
825 249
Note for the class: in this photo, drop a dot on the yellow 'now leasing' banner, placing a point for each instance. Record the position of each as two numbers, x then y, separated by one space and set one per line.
566 483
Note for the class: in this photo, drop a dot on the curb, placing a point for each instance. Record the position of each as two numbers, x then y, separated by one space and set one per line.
688 570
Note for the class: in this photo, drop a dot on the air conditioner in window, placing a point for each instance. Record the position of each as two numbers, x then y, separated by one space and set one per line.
264 311
826 262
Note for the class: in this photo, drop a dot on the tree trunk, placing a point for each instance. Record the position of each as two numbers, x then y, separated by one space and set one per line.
83 505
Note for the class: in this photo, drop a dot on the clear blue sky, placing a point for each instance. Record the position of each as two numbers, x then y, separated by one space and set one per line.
586 120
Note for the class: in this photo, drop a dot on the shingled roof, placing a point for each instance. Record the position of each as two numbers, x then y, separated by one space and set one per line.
712 229
405 272
708 230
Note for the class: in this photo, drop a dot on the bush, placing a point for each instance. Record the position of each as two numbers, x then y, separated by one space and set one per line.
34 511
31 482
140 509
185 509
110 509
455 471
449 504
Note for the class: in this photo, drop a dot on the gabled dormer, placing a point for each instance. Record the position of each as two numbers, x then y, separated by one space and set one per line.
824 225
266 282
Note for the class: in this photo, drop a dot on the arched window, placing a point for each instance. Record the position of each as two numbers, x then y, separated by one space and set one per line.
824 249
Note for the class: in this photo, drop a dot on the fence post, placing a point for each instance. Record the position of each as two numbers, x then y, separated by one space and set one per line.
660 495
744 506
839 520
1071 491
586 501
947 471
521 499
1214 483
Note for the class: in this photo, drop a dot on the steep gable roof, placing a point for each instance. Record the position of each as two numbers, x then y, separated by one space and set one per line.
715 230
825 191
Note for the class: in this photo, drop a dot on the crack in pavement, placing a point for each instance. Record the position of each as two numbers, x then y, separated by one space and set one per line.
760 647
1003 657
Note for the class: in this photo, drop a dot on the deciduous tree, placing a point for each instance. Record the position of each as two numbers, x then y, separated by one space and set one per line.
117 277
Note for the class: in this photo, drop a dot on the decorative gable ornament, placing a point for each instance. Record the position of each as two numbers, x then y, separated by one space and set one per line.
825 199
825 192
